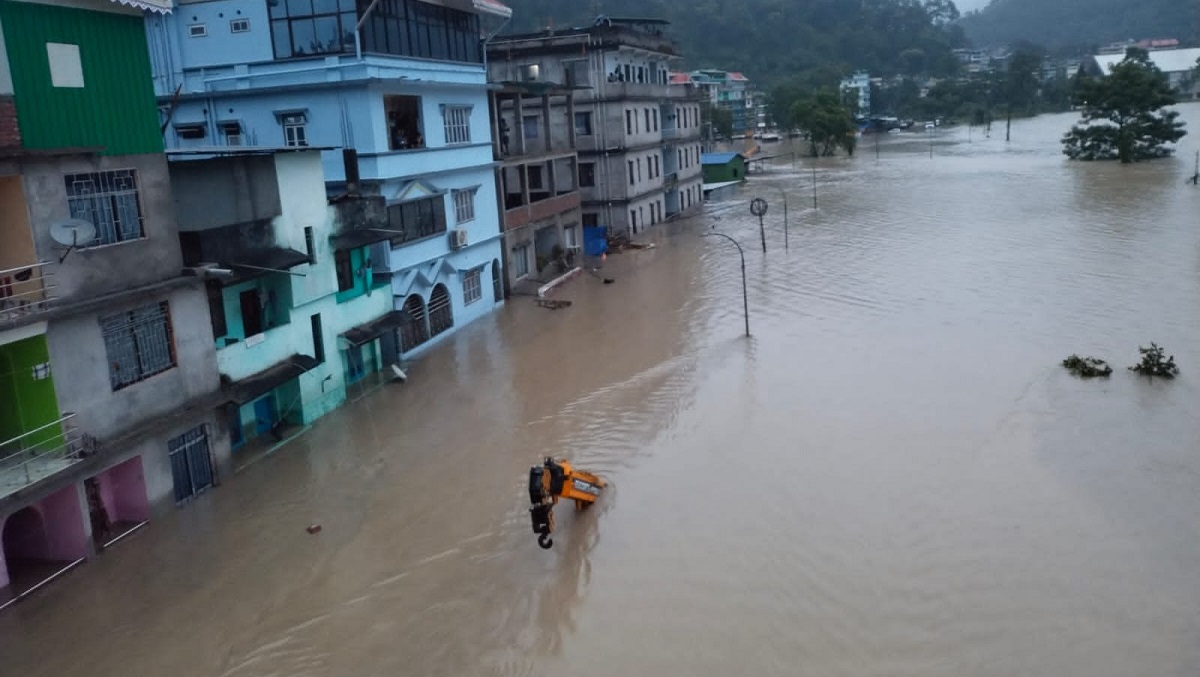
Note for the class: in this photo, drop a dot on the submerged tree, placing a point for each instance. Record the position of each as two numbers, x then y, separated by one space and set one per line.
827 122
1122 114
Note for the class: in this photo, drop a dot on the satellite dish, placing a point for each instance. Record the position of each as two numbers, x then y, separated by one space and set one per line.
72 233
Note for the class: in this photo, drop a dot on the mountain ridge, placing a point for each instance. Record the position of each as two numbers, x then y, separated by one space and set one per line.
1080 25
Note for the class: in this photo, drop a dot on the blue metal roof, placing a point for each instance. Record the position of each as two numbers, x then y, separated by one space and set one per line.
716 158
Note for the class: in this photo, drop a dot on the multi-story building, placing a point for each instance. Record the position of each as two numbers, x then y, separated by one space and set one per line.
298 318
537 182
109 394
857 88
638 136
402 82
729 91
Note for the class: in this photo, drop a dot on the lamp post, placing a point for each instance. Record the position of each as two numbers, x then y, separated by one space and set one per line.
783 194
742 254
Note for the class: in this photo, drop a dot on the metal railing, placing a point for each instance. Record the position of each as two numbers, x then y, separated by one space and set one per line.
26 290
35 455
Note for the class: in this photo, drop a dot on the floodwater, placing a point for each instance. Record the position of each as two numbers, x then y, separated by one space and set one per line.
893 476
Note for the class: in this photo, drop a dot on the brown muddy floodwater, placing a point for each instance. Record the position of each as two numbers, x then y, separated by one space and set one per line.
893 477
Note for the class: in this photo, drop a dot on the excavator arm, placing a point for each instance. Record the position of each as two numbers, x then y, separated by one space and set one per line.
556 479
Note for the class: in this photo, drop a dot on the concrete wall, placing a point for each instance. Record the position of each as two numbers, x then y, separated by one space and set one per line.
103 269
81 367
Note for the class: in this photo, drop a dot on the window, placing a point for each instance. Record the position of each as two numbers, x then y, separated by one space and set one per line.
232 131
345 269
139 344
66 68
639 169
417 219
191 464
587 175
464 205
41 371
303 28
294 131
197 30
457 120
472 290
656 119
239 26
411 28
520 260
628 122
631 176
654 161
576 73
591 220
404 122
318 338
110 201
441 315
583 124
190 131
497 283
571 237
310 244
530 124
646 112
412 330
633 219
535 177
531 72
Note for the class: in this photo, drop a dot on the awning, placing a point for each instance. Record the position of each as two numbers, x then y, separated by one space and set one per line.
258 262
361 237
369 331
160 6
263 382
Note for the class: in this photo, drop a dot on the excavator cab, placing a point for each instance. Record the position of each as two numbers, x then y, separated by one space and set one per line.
556 479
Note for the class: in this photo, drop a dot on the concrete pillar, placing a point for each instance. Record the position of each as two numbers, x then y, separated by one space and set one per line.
519 126
549 144
571 140
494 111
525 183
552 177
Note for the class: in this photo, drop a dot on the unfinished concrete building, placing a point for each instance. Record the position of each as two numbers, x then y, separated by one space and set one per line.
637 135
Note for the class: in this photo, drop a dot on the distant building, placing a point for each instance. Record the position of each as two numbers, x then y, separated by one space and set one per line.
729 91
722 167
637 134
858 87
109 393
1178 64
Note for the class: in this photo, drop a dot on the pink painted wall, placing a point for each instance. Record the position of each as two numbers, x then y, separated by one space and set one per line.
66 535
123 491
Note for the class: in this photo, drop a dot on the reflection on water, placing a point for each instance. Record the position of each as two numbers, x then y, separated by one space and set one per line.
891 477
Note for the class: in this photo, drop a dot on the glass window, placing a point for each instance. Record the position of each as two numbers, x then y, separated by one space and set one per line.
457 121
583 124
403 114
520 259
308 27
464 205
587 174
417 219
530 123
472 288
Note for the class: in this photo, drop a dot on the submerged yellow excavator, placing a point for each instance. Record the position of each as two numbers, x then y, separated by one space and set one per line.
556 479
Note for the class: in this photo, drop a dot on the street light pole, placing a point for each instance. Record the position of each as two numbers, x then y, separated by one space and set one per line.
758 207
745 297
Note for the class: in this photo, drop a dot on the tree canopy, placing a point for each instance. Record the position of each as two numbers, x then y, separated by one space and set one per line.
1123 116
1080 24
776 40
826 120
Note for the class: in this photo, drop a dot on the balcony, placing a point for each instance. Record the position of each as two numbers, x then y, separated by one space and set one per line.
538 210
25 291
40 453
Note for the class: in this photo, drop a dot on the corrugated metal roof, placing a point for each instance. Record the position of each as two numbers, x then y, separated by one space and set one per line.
717 158
160 6
1167 60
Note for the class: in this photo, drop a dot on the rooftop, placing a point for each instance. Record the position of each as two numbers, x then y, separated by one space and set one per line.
717 158
1167 60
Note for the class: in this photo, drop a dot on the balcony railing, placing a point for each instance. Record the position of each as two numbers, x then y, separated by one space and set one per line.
541 209
26 290
42 452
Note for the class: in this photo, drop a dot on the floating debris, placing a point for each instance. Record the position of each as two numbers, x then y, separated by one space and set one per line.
313 528
553 304
1087 367
1155 362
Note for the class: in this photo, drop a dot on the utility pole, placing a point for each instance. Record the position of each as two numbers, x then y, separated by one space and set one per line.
814 184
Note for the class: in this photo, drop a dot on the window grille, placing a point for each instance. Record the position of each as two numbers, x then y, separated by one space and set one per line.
139 344
441 314
109 200
457 120
464 205
472 289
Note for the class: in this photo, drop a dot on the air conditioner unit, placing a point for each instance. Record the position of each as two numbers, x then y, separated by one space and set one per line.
458 238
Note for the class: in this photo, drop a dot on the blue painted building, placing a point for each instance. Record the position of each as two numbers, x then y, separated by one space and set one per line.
402 82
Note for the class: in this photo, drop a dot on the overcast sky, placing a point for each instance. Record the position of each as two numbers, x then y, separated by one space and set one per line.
965 6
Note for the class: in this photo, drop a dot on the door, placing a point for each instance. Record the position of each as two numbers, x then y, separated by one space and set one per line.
237 436
264 414
251 313
355 369
191 465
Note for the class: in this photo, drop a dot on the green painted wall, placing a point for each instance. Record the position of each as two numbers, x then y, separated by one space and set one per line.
115 108
734 170
25 402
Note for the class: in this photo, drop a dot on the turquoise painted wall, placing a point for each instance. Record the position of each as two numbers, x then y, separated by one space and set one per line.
276 314
26 403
